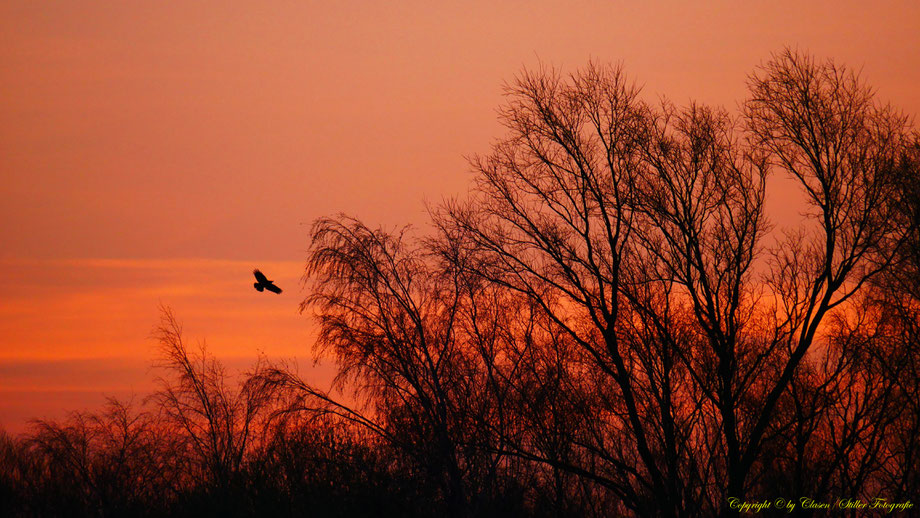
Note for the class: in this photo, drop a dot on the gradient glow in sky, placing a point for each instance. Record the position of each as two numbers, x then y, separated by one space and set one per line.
155 152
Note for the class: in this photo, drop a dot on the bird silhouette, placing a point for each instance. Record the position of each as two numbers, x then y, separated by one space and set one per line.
264 284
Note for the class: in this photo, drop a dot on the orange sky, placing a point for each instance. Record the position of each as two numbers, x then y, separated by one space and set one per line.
155 152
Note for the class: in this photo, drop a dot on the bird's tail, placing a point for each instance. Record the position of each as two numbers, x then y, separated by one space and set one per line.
258 286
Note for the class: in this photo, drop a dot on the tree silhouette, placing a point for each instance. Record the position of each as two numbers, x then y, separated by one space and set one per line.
220 425
638 230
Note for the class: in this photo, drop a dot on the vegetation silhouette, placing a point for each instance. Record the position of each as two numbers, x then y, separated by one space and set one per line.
608 325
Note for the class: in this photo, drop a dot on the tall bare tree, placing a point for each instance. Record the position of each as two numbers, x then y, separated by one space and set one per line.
639 232
220 424
392 322
822 125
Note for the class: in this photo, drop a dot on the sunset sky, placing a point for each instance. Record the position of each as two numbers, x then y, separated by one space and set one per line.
154 153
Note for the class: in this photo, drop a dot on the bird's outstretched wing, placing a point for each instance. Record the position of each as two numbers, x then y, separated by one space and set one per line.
260 277
272 288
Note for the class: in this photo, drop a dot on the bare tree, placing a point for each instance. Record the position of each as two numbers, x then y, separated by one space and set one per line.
638 232
823 127
391 323
557 219
117 462
220 423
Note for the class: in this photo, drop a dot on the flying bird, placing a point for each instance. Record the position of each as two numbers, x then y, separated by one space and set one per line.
264 284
